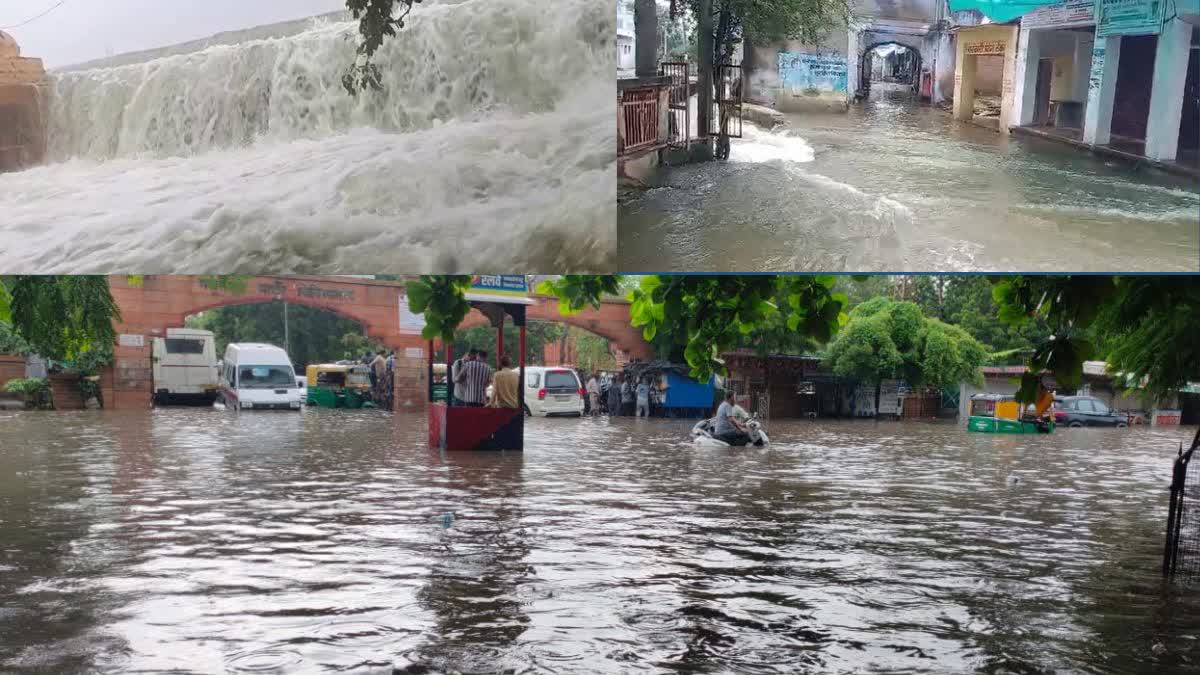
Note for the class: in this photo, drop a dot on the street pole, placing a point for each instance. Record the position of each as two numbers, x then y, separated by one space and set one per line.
704 68
286 342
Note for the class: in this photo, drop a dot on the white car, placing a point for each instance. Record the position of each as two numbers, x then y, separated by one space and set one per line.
553 391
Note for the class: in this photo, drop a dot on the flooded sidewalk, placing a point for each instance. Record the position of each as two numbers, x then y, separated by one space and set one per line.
194 540
896 185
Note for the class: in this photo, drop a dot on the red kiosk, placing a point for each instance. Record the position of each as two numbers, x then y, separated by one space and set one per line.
454 427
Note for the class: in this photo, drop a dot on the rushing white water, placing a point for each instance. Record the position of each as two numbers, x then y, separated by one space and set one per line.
491 148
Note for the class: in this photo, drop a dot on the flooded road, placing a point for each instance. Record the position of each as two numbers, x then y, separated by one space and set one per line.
892 185
205 541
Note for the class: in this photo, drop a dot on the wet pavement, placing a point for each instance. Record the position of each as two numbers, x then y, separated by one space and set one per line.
896 185
333 541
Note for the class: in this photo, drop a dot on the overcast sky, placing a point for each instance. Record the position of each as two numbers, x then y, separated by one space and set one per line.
82 30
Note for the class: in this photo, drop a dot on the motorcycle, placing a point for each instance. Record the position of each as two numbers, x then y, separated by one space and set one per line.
702 434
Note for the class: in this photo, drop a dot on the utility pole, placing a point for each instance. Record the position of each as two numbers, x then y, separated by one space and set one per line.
645 28
286 345
704 68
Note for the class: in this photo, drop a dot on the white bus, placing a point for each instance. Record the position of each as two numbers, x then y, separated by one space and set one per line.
185 367
258 376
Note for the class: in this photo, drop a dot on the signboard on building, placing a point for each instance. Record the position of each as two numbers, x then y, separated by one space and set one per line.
131 340
410 324
805 72
1167 418
1129 17
889 397
1064 14
499 284
984 47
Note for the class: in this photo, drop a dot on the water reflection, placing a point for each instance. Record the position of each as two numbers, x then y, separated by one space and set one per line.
332 541
895 185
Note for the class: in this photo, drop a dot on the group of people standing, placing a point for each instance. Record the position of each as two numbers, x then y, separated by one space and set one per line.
623 398
471 375
381 365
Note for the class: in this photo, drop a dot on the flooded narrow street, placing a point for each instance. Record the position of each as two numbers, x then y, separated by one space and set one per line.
894 185
199 540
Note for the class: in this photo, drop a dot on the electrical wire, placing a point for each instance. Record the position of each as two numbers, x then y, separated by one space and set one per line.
35 18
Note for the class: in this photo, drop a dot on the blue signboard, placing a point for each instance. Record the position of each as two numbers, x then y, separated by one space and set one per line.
1129 17
804 72
499 284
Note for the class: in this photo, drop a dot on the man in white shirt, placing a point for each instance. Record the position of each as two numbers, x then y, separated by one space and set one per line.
593 392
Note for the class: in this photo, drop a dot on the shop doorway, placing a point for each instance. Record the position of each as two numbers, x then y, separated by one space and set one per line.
1135 76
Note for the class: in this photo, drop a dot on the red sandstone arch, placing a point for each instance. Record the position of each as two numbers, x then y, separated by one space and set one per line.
611 321
157 303
148 309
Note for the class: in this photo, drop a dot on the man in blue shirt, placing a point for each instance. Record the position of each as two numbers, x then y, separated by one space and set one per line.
643 398
726 426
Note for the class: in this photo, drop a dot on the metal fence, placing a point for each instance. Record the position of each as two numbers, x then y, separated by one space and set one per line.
639 120
727 104
679 122
1181 556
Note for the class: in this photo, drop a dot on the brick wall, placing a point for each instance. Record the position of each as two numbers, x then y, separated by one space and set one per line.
410 384
12 367
67 395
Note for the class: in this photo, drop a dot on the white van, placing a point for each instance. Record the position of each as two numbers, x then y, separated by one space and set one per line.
185 367
553 391
258 377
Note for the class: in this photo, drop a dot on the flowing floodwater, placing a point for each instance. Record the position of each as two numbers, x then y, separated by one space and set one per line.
892 185
492 147
334 541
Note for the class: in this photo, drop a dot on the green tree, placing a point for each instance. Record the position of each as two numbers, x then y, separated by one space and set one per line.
537 335
771 20
886 339
313 335
64 318
1143 326
378 20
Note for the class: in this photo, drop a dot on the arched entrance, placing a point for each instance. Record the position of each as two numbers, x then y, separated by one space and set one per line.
891 63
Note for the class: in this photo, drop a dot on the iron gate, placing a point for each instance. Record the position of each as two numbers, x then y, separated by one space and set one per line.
727 117
1181 556
679 127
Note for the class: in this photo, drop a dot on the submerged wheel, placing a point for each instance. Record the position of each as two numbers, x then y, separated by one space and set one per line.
1075 425
1121 425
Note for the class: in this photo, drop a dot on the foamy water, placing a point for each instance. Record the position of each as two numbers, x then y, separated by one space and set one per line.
492 148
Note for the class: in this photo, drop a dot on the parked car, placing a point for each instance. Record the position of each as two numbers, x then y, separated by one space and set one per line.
553 391
1086 411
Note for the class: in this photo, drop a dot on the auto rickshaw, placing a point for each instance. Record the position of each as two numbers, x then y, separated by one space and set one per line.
1002 414
334 385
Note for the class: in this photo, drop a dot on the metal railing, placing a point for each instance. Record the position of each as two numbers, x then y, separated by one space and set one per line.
679 100
638 120
1181 555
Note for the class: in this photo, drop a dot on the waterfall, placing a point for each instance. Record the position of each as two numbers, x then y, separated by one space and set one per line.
491 148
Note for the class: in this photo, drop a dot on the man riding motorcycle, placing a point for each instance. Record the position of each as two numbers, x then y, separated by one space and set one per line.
726 425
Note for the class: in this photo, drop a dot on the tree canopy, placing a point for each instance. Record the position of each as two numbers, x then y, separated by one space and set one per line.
887 339
64 318
1145 327
313 336
771 20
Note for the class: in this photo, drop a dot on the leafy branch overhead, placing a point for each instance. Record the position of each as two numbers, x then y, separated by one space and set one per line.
377 21
1144 327
575 292
63 318
442 299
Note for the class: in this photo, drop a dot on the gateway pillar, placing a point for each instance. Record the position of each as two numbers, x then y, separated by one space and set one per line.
1102 86
1025 80
1166 96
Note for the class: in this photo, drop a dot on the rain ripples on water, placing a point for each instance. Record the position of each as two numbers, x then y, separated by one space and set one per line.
334 541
